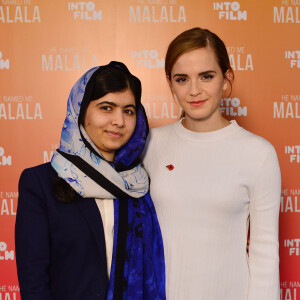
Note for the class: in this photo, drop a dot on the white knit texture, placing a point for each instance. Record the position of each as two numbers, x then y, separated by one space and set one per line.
203 205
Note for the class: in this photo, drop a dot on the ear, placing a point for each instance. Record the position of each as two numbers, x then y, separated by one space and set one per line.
228 78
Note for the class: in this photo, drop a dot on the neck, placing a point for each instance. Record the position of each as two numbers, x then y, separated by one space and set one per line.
204 125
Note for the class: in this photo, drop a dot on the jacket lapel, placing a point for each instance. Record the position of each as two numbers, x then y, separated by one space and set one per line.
92 215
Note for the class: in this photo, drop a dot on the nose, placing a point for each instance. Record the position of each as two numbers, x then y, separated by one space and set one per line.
195 88
118 118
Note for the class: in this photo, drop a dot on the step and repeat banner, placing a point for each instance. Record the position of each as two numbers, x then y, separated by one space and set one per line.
47 45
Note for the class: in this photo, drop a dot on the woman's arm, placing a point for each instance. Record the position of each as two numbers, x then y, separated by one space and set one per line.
32 239
264 213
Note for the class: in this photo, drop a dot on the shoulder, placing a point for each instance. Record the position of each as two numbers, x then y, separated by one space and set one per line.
39 170
163 129
155 143
254 148
160 133
255 141
41 174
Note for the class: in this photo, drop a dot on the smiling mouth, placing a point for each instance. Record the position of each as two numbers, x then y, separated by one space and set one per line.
197 103
114 134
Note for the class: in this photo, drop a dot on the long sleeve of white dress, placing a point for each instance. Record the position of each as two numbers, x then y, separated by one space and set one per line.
219 180
264 213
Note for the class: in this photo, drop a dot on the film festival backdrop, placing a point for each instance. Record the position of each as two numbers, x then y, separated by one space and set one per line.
47 45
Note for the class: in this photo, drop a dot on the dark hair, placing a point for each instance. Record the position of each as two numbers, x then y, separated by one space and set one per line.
111 78
114 77
193 39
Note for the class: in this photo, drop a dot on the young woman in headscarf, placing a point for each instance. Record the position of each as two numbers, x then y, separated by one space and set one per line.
86 227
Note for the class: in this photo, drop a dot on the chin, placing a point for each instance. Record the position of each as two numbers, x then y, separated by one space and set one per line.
197 117
115 146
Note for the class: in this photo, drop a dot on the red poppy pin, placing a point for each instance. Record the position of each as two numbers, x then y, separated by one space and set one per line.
170 167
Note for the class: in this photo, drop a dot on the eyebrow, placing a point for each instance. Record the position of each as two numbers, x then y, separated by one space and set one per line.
115 105
201 73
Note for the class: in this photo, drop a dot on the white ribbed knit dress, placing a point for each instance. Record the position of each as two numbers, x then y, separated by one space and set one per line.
203 204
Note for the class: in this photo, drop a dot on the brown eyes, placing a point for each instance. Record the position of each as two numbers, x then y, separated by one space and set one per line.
108 108
129 111
180 79
205 77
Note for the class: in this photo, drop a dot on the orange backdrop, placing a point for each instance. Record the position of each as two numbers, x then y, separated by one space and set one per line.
47 45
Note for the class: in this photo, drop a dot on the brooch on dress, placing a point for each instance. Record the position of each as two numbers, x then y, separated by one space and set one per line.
170 167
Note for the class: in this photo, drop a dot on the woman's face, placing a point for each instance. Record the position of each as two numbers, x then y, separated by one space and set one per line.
198 83
110 121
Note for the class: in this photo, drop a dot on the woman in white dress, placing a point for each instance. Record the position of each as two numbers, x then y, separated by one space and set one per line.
209 177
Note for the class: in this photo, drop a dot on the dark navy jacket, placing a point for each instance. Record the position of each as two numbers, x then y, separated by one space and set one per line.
60 247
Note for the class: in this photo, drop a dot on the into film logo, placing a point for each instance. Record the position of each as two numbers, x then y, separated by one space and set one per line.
293 152
148 59
4 160
230 11
6 254
4 63
232 107
293 246
294 58
85 11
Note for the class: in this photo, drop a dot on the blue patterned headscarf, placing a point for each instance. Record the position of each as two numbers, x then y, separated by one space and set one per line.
137 269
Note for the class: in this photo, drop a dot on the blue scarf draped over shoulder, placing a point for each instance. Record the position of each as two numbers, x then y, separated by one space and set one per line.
137 268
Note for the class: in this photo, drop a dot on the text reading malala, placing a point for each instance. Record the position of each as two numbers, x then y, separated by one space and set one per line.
20 111
164 110
68 62
9 293
284 14
48 154
241 62
288 294
20 14
239 59
8 203
157 14
290 201
286 110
